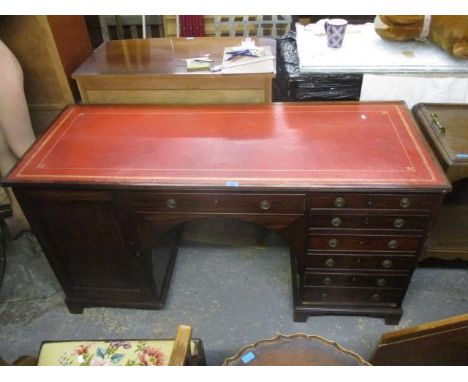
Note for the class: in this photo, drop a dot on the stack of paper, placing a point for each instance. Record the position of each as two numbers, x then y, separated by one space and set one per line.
248 64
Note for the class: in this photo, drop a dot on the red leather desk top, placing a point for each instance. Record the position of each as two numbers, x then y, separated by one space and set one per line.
277 145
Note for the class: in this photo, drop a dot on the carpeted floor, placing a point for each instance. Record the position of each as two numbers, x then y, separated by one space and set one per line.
232 295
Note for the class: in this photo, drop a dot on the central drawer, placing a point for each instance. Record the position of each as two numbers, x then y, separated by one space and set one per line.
291 204
353 242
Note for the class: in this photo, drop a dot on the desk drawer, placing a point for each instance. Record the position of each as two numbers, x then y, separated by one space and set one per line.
379 262
355 279
343 296
338 219
352 242
219 203
374 201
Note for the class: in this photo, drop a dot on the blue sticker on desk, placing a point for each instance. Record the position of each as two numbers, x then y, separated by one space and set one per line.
246 358
462 156
232 184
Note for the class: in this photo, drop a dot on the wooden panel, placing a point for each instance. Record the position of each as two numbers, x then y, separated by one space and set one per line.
174 97
83 241
31 40
438 343
48 48
98 258
200 81
73 44
447 238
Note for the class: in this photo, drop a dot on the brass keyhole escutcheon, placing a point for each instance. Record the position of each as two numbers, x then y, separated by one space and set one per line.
265 205
324 296
171 203
376 297
339 202
398 223
336 222
327 281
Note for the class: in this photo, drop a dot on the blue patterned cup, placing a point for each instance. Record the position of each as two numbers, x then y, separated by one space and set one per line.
335 29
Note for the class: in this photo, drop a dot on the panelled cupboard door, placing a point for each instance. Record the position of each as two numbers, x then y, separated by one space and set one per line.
83 240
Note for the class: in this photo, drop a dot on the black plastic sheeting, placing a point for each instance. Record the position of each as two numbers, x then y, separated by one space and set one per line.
292 85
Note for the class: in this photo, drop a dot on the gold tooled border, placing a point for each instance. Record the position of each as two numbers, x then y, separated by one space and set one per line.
323 340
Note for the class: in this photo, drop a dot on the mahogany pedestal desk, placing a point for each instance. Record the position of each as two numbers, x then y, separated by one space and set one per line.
352 188
153 71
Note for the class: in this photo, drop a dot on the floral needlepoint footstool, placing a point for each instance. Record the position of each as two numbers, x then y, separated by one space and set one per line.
183 350
106 353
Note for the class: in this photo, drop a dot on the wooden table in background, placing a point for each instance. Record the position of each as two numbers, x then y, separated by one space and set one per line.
445 128
152 71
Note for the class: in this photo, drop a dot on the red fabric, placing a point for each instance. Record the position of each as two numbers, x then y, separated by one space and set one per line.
275 145
192 26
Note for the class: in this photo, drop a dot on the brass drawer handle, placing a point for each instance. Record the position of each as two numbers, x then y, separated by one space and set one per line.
336 222
387 263
376 297
392 244
265 205
333 243
381 282
171 203
399 222
405 203
330 263
339 202
327 281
